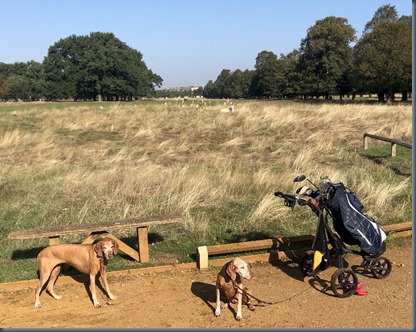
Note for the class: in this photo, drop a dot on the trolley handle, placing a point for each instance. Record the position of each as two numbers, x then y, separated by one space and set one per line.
303 202
289 200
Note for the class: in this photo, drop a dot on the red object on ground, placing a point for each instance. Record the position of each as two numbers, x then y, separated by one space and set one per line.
359 290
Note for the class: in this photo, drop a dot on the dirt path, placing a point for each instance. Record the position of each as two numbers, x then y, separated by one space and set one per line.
186 299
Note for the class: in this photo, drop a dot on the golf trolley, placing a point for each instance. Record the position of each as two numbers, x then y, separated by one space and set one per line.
352 227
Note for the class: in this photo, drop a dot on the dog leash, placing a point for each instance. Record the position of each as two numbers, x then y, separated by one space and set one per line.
252 296
266 302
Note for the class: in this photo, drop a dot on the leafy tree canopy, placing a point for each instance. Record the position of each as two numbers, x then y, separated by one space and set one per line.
326 55
22 80
386 13
383 58
97 65
266 77
326 62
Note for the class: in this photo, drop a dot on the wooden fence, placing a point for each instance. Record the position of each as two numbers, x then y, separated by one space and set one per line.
392 141
284 247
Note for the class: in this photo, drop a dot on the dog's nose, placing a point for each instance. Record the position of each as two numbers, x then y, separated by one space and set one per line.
251 274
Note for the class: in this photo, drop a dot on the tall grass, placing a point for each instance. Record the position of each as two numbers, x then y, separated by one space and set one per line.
73 163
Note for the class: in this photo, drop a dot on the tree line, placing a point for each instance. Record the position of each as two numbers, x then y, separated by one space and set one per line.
326 64
330 61
97 66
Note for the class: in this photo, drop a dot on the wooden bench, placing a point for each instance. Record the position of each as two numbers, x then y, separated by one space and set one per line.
102 230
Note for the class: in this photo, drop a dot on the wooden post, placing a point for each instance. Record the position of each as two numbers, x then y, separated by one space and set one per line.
202 257
143 246
365 142
53 240
393 149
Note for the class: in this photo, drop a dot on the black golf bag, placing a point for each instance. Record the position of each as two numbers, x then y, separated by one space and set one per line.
353 226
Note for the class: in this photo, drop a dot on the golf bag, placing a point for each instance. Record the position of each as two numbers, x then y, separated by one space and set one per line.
353 226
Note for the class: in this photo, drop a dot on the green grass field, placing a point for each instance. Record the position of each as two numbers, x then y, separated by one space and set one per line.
73 163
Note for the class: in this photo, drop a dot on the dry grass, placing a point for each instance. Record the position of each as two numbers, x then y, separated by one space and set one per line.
86 162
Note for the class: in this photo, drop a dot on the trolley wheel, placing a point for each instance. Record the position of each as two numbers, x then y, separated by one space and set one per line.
344 282
306 264
380 267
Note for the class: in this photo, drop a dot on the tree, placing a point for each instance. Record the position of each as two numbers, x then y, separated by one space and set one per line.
327 64
222 83
326 56
22 80
386 13
406 19
35 76
210 90
4 89
244 84
383 59
265 81
61 67
18 88
289 83
237 84
368 72
97 66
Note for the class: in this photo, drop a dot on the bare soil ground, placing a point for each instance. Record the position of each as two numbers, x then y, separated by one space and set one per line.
185 298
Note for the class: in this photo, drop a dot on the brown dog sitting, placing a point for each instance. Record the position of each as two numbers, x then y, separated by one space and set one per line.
86 258
230 284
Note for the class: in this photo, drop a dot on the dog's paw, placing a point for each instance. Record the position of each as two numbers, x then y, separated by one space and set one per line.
57 297
239 317
97 305
224 305
251 307
217 312
112 297
38 306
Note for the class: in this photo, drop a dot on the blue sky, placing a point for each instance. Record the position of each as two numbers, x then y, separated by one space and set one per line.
185 42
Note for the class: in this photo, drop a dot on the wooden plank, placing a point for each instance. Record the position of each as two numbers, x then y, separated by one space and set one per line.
123 247
293 255
143 245
259 244
288 241
282 242
96 227
404 226
390 140
238 247
402 234
90 238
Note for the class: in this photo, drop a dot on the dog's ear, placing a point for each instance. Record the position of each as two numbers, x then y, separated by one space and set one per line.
115 249
231 270
98 248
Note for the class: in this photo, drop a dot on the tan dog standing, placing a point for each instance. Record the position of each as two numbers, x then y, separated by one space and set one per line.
86 258
230 284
